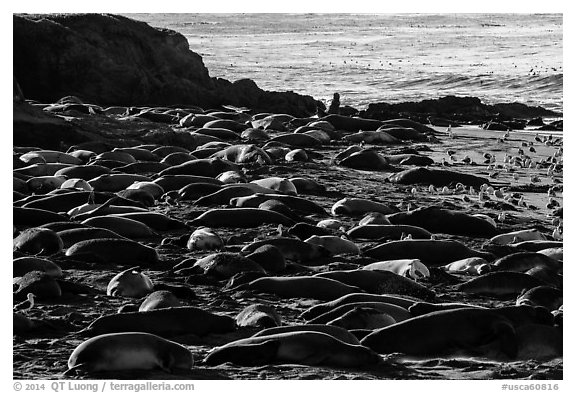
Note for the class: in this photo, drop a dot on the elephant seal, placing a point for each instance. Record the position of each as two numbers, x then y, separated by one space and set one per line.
499 284
23 265
301 287
380 282
307 348
40 284
473 266
126 251
436 177
130 283
156 221
243 154
279 184
298 204
374 218
410 268
292 249
258 315
438 220
123 226
129 351
114 182
517 237
371 137
544 296
227 264
536 245
362 317
152 188
358 206
524 261
165 322
307 186
554 253
159 299
177 158
204 239
397 313
72 236
421 308
322 308
387 231
77 183
206 167
430 252
352 124
365 159
334 331
335 244
240 218
194 191
176 182
38 241
269 257
448 332
31 217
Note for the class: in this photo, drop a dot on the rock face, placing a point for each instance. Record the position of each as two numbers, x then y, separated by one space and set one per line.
113 60
462 109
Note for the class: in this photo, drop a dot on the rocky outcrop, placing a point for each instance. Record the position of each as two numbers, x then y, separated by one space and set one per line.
113 60
460 109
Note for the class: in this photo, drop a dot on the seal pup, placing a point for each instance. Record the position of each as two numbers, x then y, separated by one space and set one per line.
358 206
307 348
258 315
269 257
448 332
543 295
159 299
279 184
411 268
130 283
129 351
473 266
123 226
204 239
23 265
226 265
335 244
517 237
38 241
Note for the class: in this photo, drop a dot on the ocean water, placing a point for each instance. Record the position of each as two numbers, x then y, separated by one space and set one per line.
383 57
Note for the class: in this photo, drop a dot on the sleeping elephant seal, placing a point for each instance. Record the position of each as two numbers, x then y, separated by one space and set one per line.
129 351
165 322
438 220
446 332
307 348
436 177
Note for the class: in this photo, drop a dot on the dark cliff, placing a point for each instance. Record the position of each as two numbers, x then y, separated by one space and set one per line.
113 60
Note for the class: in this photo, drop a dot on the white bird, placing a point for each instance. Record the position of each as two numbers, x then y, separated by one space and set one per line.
502 217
